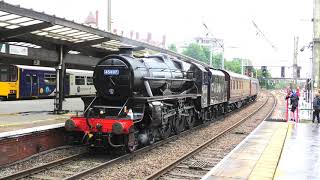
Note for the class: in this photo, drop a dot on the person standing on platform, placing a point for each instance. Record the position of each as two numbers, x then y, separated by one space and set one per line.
316 107
294 101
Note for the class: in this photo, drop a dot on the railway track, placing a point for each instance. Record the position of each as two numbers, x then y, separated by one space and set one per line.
80 165
186 167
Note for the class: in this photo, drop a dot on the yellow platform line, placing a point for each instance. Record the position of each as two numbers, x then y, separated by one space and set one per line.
9 114
267 164
277 173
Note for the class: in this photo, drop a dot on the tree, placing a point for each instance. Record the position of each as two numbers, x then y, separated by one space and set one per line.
216 58
173 47
234 65
262 77
202 53
196 51
258 73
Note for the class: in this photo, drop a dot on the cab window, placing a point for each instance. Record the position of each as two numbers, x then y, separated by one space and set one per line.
80 80
4 74
89 80
8 73
13 73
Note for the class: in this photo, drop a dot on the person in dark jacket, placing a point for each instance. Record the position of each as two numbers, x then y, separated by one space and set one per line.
294 102
316 107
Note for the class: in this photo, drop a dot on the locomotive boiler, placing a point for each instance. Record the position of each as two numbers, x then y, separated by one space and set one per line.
124 76
140 100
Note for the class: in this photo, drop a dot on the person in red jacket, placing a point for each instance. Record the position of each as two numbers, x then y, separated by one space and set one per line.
294 101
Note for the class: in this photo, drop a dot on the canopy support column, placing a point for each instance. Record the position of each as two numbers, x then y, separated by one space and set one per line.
60 76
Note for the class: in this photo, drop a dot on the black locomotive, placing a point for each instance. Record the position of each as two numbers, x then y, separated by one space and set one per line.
141 100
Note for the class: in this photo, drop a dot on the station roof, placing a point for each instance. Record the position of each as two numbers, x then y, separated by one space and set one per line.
32 29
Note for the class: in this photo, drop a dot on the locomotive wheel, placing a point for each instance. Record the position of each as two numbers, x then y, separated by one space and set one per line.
131 148
179 124
165 130
190 120
151 137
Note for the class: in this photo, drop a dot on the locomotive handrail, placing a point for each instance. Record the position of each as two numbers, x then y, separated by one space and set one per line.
123 107
111 107
111 65
90 105
166 79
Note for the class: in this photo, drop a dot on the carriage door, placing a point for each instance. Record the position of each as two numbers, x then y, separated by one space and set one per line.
27 88
34 85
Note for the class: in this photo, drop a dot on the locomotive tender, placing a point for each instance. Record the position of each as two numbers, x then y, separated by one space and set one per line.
141 100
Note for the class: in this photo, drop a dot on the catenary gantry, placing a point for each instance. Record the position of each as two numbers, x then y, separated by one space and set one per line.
54 41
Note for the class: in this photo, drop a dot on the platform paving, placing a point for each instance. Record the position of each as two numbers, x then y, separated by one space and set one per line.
275 150
256 157
22 114
300 159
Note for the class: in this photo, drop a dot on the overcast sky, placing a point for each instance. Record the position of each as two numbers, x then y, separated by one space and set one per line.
231 20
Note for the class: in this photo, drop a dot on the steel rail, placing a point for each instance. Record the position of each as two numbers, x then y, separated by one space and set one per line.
143 150
171 166
37 169
56 163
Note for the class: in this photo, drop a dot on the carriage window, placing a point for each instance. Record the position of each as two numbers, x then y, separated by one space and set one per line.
234 85
34 79
28 79
50 79
89 80
80 80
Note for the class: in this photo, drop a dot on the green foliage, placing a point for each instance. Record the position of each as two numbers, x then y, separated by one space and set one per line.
173 47
202 54
262 78
258 73
216 60
234 65
196 51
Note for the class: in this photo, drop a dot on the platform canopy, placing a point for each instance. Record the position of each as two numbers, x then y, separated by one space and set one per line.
42 33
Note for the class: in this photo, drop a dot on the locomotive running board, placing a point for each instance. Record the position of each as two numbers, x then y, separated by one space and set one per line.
168 97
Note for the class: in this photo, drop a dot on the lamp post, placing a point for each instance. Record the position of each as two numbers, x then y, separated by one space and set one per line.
109 16
310 91
222 58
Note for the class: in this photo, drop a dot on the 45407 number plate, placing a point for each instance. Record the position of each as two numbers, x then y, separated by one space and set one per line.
111 72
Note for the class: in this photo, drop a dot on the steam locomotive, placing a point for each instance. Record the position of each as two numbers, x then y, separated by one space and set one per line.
142 100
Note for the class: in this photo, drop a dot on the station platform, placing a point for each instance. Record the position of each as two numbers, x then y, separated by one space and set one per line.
274 150
37 113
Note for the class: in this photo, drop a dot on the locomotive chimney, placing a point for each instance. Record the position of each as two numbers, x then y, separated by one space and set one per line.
128 50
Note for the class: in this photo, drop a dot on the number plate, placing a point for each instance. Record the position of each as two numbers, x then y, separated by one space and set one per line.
111 72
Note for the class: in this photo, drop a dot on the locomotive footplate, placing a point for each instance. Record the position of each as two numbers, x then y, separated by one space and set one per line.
162 98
